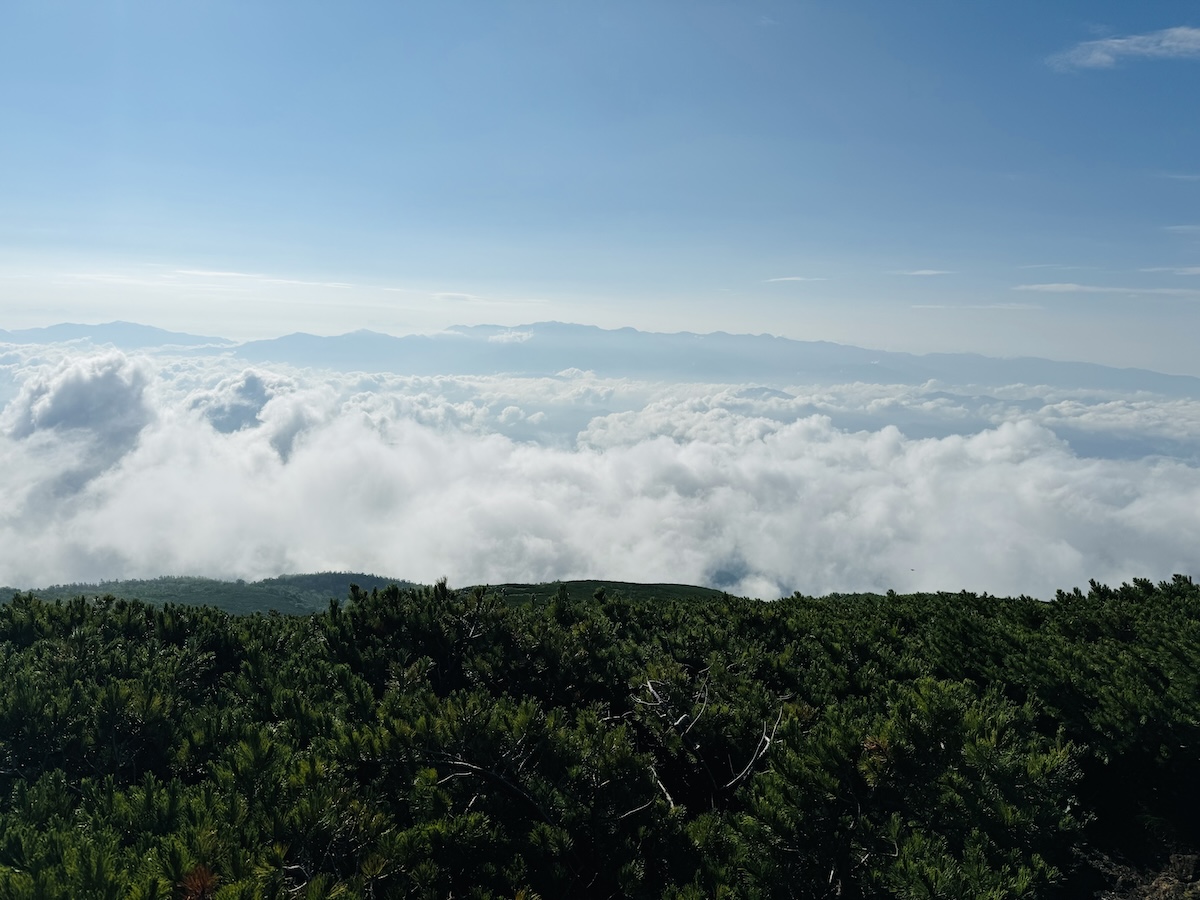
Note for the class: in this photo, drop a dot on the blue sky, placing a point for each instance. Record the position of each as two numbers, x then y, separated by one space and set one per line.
1011 178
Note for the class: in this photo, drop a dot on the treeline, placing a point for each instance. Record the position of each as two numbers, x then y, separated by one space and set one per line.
422 742
295 594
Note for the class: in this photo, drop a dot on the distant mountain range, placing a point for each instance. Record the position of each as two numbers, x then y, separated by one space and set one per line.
550 348
125 335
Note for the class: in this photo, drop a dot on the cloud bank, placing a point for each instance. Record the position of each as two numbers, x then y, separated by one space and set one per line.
137 466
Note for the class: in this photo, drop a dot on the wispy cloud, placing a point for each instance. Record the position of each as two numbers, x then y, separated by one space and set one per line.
457 297
1182 229
922 272
976 306
1176 270
263 279
129 279
1069 287
793 278
209 279
1060 266
217 273
113 278
1180 176
1182 42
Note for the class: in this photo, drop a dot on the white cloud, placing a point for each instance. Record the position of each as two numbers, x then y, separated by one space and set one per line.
100 394
1176 270
510 337
81 416
923 272
1061 287
1182 42
251 472
793 278
1053 266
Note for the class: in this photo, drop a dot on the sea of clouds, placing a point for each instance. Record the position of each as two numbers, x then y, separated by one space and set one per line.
130 466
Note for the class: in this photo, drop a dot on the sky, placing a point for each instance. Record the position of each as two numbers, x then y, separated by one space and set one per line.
1014 179
1009 178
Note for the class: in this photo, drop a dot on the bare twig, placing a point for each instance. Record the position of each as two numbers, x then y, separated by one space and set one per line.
636 809
473 769
662 787
760 749
703 707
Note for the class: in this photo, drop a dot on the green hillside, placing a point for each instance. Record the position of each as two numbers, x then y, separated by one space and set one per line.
296 594
300 594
